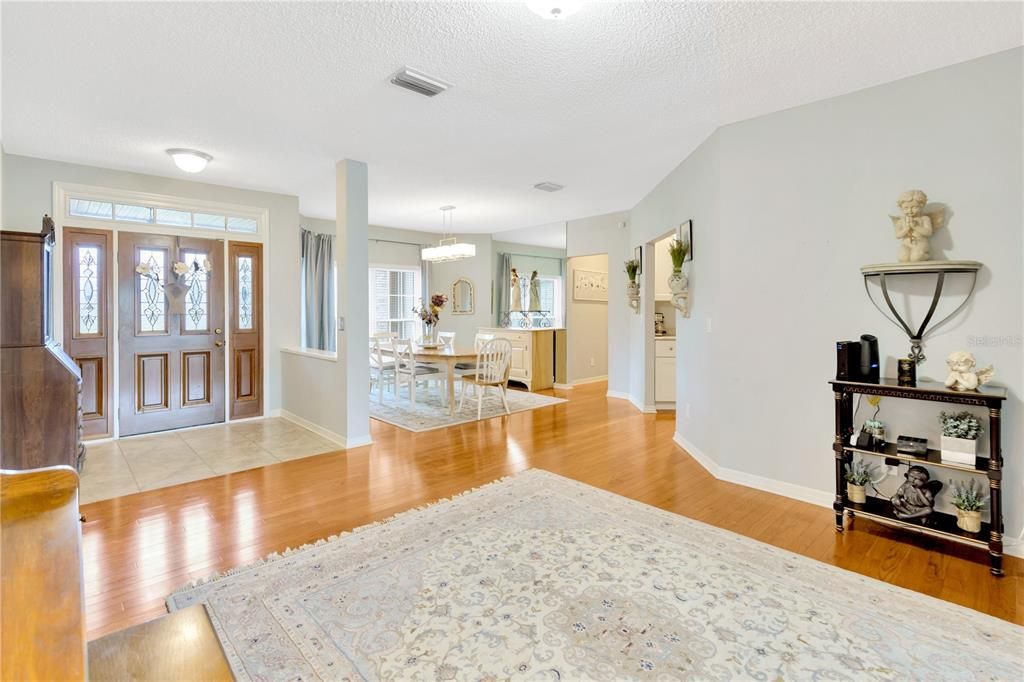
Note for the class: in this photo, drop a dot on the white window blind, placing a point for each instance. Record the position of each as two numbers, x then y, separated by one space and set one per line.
393 295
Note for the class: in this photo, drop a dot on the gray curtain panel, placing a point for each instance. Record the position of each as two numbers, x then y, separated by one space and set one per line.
502 286
318 287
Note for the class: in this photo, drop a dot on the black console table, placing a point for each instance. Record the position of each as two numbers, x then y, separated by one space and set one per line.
937 524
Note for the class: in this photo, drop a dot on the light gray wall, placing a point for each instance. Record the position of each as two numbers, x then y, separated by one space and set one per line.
786 208
587 321
28 194
607 234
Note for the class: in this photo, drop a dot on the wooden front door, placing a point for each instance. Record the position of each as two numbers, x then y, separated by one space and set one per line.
170 332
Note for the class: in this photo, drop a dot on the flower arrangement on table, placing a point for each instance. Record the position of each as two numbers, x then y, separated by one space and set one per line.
430 314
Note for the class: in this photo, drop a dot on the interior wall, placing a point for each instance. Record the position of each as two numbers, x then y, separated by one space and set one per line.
28 193
606 234
786 209
587 325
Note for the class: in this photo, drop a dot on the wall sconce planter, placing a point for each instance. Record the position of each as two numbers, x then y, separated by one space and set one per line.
679 285
633 296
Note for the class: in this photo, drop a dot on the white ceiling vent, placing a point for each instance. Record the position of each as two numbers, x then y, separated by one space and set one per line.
549 186
421 83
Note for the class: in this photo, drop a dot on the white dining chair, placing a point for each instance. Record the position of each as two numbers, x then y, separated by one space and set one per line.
381 369
462 368
492 365
407 372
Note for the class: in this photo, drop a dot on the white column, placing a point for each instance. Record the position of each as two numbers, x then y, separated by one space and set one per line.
353 298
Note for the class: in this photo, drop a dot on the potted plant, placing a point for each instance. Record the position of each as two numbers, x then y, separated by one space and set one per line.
960 433
969 501
858 474
632 286
677 250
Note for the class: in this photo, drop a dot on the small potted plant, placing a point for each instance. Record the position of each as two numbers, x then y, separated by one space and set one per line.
969 501
632 286
960 433
858 474
677 250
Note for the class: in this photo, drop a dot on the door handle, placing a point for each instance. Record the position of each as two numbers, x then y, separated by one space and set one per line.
219 344
218 330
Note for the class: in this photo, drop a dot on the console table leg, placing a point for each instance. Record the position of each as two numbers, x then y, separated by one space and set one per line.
995 558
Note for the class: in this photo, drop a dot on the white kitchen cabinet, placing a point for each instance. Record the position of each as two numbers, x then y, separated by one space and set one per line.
665 370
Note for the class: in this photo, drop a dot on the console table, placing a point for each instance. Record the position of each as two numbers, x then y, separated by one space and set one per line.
937 524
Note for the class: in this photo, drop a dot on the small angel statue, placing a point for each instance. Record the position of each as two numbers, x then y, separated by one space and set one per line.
962 375
914 226
517 293
534 292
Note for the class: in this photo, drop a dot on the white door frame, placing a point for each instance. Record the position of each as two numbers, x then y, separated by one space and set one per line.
62 194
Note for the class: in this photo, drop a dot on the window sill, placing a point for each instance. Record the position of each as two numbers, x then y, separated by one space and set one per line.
327 356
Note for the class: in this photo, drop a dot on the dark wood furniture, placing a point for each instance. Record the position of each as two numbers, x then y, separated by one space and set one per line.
42 617
937 524
40 386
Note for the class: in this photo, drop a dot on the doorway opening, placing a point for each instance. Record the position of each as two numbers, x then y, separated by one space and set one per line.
661 328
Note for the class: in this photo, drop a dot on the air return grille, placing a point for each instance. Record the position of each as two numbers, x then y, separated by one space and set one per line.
549 186
410 79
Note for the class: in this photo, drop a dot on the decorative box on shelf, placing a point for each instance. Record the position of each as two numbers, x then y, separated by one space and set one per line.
936 524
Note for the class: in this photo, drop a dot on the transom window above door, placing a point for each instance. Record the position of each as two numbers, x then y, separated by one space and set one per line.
153 215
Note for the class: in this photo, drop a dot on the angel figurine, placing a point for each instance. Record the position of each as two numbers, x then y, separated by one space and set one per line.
962 375
534 292
914 226
517 293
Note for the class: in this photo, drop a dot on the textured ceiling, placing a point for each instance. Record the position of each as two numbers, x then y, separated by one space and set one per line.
606 102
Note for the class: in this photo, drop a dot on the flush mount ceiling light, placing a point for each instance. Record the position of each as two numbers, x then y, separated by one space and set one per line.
190 160
449 248
555 9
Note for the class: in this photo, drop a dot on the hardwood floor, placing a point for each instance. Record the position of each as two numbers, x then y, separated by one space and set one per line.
139 548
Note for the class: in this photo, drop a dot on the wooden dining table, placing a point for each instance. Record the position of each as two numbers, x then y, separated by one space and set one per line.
441 355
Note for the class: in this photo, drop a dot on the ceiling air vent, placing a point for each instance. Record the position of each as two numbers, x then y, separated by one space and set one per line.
549 186
410 79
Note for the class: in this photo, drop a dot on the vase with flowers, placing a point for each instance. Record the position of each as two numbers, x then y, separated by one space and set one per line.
430 315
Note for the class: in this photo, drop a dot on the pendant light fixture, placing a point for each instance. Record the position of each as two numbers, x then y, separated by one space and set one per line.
448 248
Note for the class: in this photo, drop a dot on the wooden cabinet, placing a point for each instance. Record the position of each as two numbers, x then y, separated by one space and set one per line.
40 386
665 370
533 355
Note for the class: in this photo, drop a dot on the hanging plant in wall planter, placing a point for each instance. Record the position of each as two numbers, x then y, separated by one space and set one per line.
678 282
185 275
633 286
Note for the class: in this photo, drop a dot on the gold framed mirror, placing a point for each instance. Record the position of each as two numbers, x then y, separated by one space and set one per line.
462 297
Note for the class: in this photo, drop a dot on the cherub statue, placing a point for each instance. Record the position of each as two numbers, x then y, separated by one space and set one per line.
962 375
914 227
915 498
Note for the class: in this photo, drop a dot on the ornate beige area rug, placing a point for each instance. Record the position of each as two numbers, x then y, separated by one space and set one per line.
539 577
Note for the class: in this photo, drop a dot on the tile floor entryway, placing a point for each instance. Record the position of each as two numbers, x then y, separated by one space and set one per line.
131 465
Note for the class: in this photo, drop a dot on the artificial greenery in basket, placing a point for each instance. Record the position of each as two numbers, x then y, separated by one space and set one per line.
858 474
969 500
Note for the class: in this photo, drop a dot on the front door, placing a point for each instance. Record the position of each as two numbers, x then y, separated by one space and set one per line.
170 332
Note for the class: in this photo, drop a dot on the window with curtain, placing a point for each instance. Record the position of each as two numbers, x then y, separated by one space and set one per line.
551 300
394 292
318 292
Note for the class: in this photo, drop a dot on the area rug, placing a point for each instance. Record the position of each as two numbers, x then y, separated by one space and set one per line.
430 413
540 577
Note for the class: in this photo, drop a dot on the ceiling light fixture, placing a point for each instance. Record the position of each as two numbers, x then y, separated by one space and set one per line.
555 9
190 160
448 248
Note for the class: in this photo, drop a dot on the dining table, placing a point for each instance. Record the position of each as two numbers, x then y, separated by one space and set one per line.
440 355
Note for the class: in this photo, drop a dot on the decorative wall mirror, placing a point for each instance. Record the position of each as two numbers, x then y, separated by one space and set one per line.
462 297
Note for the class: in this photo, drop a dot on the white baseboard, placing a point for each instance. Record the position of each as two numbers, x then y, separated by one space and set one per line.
563 387
345 443
821 498
619 395
590 380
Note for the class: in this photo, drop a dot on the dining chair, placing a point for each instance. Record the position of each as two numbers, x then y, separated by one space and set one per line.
462 368
492 366
381 370
406 369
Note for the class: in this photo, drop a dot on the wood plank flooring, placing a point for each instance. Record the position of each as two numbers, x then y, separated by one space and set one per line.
139 548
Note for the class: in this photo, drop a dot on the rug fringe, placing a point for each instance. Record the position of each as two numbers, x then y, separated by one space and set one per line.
288 551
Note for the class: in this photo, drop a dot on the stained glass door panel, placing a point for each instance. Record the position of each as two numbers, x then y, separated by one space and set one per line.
245 320
171 332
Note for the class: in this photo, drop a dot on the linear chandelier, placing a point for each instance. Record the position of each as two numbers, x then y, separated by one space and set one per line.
448 248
